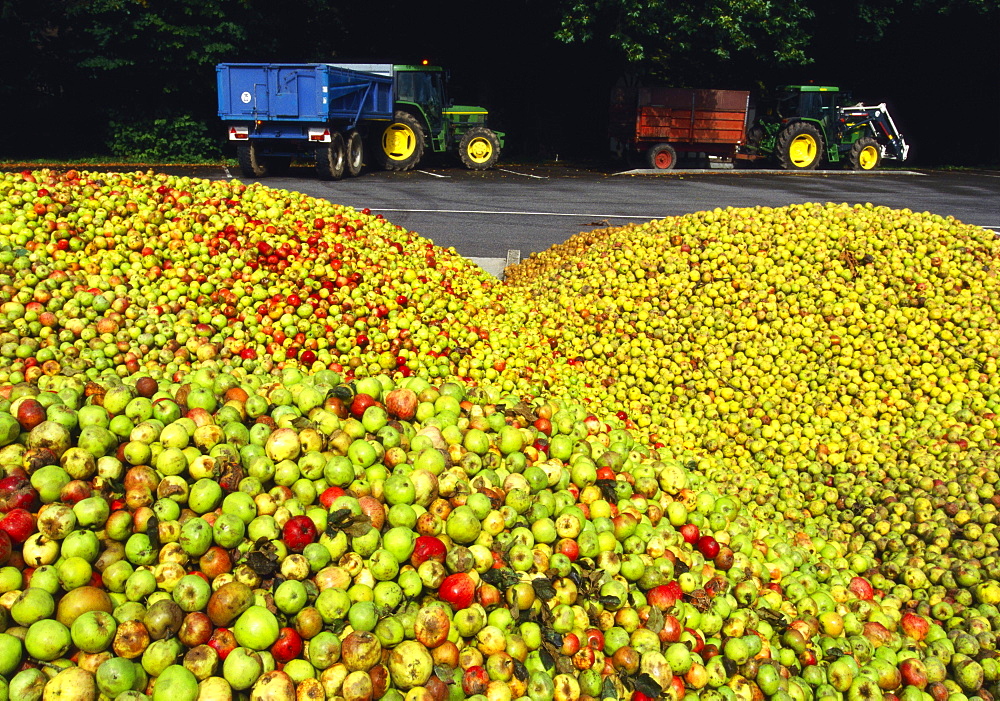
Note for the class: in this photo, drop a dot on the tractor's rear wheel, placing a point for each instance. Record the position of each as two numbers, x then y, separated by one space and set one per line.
479 148
355 147
865 154
800 146
401 144
252 164
661 157
331 158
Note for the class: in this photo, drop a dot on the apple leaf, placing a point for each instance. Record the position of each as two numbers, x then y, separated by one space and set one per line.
354 525
502 577
444 673
775 618
263 558
153 531
608 690
552 637
607 488
301 423
643 683
523 410
655 620
543 588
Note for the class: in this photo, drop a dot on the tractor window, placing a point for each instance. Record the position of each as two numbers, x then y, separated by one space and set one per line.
805 105
420 88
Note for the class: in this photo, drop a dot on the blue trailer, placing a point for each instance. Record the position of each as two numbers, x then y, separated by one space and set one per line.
338 114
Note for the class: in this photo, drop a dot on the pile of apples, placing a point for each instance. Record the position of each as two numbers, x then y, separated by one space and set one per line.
254 444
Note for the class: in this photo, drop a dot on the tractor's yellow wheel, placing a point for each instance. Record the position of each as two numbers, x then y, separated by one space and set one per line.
799 146
479 148
400 146
868 158
399 142
866 154
802 151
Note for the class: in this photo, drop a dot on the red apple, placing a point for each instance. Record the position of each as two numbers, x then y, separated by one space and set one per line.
708 546
298 532
690 533
428 547
402 403
914 626
913 673
361 402
223 641
662 597
288 646
862 588
19 524
458 590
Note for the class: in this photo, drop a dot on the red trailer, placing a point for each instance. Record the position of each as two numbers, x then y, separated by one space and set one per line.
654 125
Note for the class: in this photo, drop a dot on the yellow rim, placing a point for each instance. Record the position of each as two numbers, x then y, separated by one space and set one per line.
480 150
399 142
868 158
802 150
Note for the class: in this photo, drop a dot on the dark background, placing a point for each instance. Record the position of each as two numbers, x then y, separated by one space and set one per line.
66 77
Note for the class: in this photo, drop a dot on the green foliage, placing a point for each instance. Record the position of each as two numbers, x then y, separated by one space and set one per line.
679 39
665 31
181 139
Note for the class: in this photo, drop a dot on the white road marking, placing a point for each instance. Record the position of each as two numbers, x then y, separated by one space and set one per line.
436 175
526 175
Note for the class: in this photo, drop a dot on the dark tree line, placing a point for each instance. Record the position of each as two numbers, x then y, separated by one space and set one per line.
137 77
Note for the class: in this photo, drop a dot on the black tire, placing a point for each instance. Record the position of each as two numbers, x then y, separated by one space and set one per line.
799 146
331 158
400 146
479 149
252 164
661 157
865 154
354 147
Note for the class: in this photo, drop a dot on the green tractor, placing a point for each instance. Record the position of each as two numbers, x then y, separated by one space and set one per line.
425 121
810 124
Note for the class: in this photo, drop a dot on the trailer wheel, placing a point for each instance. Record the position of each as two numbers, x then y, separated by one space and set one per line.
800 146
661 157
865 154
252 164
401 144
355 147
331 158
479 148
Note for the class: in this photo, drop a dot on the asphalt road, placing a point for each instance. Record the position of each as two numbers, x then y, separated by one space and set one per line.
530 208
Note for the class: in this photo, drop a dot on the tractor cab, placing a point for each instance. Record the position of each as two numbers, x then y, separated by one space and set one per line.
424 87
810 102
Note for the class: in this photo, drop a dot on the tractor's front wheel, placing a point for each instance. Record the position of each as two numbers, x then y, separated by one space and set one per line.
401 144
865 154
800 146
479 148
